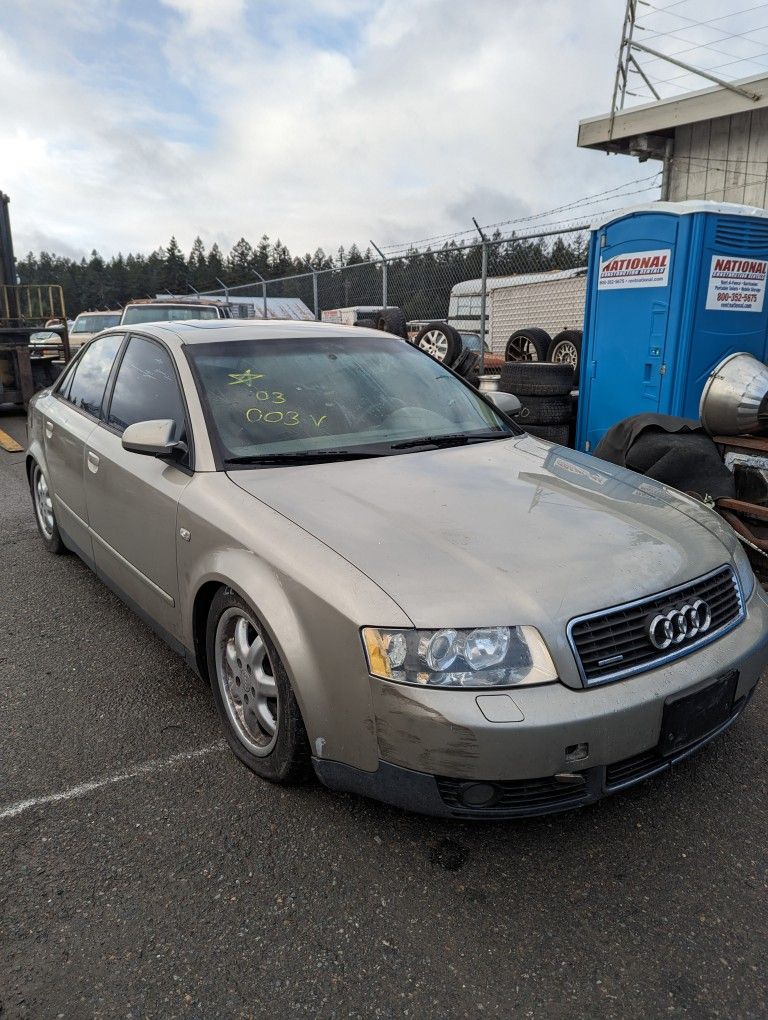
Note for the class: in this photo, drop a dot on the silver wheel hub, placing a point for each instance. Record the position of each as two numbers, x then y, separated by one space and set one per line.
247 681
43 502
435 343
565 353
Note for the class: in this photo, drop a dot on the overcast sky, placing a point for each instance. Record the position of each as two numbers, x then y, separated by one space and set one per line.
320 122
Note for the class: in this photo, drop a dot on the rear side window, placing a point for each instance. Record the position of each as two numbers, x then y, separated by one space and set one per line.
146 388
85 388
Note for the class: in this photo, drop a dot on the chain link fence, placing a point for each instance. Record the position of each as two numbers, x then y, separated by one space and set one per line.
490 287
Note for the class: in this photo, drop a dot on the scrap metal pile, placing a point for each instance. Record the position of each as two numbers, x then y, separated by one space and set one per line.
721 459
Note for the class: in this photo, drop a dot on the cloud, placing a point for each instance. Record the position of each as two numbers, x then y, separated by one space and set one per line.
321 122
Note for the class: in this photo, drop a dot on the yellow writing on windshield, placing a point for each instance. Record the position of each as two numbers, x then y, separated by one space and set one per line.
257 414
244 378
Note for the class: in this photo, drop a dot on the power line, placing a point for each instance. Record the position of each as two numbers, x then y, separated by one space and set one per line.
587 200
680 40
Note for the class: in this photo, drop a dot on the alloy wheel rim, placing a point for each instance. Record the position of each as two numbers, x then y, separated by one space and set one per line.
43 503
565 353
246 680
435 343
522 349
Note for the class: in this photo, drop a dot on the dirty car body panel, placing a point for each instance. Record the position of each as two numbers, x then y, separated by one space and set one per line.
472 538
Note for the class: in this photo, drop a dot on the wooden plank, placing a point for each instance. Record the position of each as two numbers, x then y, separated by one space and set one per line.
9 444
717 158
738 149
755 192
678 178
697 161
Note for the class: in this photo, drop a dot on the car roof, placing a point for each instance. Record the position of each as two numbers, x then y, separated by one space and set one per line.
205 331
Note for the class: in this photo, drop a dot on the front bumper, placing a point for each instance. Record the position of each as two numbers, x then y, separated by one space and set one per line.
434 745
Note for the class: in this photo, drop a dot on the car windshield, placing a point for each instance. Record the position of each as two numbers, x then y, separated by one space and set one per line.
95 323
288 399
166 313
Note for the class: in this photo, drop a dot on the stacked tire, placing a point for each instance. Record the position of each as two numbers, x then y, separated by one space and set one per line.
544 392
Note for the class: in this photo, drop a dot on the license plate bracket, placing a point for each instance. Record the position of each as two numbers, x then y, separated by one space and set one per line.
690 717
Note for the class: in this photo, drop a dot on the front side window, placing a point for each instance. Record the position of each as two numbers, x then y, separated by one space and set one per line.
146 388
285 398
167 313
85 387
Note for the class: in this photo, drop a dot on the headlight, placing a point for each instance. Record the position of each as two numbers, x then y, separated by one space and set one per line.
744 570
482 657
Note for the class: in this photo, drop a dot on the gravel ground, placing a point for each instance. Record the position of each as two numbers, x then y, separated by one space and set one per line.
184 886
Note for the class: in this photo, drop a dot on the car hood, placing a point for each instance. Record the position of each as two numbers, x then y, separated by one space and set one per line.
508 532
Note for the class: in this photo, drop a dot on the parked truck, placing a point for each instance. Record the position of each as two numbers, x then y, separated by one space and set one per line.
26 309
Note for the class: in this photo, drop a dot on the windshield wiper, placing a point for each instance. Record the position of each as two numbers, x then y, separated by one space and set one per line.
302 456
452 439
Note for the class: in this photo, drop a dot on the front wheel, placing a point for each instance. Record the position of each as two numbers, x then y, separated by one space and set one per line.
253 695
44 515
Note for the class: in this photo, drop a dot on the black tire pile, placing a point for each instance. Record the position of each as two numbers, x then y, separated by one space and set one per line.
544 391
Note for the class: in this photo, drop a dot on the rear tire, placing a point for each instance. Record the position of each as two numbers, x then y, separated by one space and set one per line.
439 340
45 518
253 695
529 344
536 379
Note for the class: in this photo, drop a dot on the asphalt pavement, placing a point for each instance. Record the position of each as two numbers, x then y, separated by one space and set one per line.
145 873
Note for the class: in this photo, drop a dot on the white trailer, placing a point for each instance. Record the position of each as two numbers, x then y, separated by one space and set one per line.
350 315
551 301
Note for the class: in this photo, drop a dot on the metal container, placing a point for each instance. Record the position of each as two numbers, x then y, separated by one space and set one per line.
733 396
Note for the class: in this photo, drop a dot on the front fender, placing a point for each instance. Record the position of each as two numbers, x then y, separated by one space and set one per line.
310 600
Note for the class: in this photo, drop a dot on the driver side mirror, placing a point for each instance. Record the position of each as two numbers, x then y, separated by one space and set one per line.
507 403
153 438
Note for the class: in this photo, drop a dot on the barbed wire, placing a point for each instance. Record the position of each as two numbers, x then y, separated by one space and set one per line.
584 202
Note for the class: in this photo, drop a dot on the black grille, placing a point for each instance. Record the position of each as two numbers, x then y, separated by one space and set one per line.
744 233
527 796
613 644
631 770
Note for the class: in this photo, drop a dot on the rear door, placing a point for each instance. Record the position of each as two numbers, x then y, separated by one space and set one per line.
69 420
133 498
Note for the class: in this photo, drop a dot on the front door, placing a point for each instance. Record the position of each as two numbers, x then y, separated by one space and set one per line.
133 498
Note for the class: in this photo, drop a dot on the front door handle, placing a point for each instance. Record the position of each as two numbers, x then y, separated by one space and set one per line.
48 430
93 462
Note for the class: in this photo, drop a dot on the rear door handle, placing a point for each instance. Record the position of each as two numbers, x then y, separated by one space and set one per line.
48 430
93 462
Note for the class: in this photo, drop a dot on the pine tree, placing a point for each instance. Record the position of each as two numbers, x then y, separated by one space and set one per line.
175 275
240 261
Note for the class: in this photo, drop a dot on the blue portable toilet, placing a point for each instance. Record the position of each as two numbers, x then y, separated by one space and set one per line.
671 289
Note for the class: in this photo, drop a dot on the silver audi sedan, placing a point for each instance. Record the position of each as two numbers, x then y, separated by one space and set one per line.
383 578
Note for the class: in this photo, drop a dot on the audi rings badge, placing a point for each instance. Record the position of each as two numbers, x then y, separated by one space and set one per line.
678 624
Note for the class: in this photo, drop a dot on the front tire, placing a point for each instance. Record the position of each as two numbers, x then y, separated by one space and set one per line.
44 515
253 694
